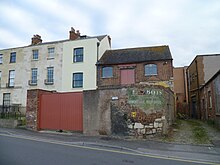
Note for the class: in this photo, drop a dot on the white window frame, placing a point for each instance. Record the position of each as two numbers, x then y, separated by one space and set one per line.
11 78
51 52
35 54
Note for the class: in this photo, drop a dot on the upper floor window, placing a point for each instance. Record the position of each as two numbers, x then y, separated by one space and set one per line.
107 72
77 80
35 54
11 79
150 69
50 74
78 55
51 52
13 57
1 58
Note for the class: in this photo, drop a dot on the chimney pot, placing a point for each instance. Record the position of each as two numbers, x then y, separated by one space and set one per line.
73 35
36 39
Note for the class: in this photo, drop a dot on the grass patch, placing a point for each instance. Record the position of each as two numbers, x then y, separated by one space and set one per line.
177 124
200 135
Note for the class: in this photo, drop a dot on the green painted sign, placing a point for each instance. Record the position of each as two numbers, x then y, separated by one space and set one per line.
147 99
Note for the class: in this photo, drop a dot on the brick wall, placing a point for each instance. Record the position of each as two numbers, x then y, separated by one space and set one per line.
164 68
32 110
136 110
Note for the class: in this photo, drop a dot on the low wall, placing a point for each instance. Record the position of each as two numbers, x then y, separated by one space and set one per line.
10 123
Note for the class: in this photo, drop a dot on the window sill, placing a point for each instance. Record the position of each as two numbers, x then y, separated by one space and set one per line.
49 83
35 60
50 58
77 62
77 87
107 77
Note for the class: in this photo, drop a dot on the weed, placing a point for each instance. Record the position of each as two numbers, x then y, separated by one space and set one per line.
200 135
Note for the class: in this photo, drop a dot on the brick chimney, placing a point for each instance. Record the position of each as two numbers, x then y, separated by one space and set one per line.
74 35
36 39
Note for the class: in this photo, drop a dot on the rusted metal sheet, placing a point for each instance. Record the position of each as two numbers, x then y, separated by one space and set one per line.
61 111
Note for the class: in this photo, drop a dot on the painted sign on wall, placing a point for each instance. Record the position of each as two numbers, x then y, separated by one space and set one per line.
146 99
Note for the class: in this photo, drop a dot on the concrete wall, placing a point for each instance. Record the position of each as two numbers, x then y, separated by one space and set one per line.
137 110
9 123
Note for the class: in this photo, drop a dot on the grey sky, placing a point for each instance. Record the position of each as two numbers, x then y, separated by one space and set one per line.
189 27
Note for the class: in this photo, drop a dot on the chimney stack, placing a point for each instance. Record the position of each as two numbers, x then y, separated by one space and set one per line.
74 35
36 39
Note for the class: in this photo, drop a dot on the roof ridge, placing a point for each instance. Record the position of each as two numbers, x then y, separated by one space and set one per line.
139 47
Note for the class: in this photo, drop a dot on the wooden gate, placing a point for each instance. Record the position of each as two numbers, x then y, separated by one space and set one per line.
61 111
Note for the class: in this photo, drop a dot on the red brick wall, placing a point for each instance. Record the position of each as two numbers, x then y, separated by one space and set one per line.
207 112
32 110
164 70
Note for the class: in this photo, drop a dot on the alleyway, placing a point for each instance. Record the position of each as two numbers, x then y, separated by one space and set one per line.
193 132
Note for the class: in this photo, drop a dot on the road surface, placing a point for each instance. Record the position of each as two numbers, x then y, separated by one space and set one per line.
24 150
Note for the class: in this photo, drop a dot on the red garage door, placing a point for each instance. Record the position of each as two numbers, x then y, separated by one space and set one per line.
61 111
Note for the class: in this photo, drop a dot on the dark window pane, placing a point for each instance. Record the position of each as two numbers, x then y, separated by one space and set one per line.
78 55
150 69
77 80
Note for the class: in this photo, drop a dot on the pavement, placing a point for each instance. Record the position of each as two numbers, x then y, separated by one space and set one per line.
204 153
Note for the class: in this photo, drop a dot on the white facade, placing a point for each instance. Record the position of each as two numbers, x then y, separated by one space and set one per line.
93 49
61 62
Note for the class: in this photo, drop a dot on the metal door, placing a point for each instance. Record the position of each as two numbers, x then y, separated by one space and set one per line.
61 111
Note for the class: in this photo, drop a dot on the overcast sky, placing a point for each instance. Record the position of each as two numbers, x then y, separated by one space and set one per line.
189 27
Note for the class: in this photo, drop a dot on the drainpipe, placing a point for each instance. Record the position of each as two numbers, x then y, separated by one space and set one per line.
97 64
198 89
98 44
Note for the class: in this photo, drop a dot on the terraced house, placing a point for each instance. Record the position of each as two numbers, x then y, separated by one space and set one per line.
63 66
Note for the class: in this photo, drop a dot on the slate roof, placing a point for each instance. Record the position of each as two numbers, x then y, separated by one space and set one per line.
136 55
100 37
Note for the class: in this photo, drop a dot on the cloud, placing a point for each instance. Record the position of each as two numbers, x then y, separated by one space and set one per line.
188 27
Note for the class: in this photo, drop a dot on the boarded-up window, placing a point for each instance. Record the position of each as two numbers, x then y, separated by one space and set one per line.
127 76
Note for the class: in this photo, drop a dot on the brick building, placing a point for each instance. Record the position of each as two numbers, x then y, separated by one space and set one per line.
136 66
210 99
199 72
134 96
180 90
